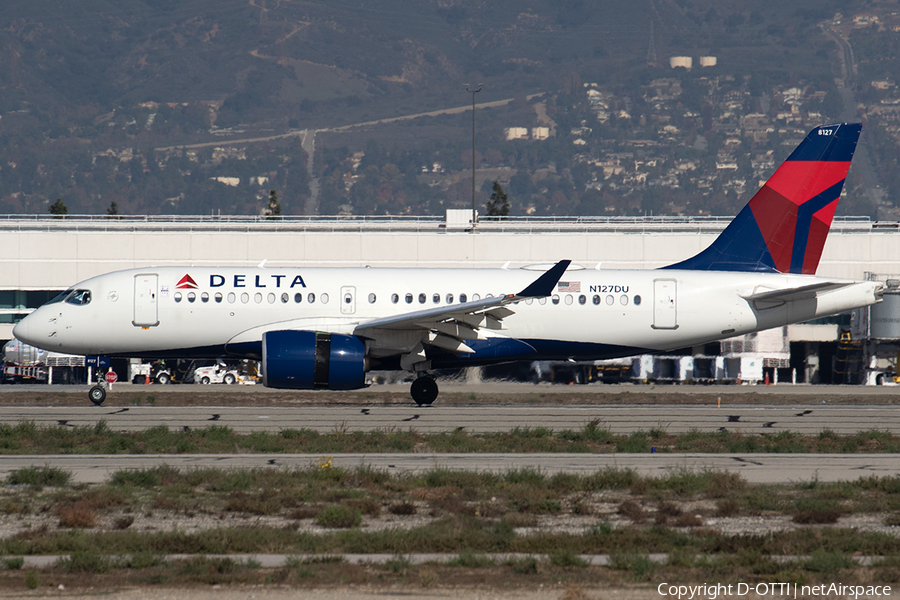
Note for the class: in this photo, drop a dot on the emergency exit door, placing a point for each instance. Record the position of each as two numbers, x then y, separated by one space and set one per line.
665 305
146 292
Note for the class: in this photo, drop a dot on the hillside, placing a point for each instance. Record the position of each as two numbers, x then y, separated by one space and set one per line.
104 83
298 58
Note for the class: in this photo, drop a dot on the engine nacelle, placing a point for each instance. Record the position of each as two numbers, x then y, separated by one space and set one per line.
310 360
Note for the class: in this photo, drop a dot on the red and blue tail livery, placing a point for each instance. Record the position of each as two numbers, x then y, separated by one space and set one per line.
784 226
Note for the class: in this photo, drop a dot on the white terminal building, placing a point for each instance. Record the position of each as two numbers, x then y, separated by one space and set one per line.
43 255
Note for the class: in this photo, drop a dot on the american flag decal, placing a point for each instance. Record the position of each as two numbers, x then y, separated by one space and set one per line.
568 286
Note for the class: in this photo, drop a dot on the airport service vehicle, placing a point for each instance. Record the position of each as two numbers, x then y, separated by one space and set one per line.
324 328
23 363
155 372
219 373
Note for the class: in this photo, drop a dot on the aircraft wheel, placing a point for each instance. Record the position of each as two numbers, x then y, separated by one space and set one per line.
228 379
205 381
97 395
163 378
424 391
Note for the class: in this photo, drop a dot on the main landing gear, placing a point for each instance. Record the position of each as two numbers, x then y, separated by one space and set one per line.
424 390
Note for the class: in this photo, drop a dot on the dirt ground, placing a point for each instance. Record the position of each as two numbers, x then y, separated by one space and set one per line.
560 592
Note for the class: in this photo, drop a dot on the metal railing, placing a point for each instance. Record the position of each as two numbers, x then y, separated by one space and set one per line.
400 224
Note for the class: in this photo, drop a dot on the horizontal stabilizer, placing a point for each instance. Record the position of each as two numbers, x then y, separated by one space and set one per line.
798 293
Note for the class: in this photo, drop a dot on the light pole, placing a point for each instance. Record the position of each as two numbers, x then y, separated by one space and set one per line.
473 92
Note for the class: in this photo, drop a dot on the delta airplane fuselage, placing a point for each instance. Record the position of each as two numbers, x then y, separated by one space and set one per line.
591 314
324 328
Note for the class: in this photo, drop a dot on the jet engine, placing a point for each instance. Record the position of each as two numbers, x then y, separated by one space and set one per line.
312 360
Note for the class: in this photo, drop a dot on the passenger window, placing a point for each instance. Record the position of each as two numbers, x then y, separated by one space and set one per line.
624 300
582 299
421 298
231 297
449 299
285 297
371 298
569 299
270 298
177 297
298 297
542 301
436 298
245 298
395 298
311 298
218 297
257 297
409 298
528 301
475 297
555 299
596 299
204 297
610 300
637 300
191 296
462 298
323 298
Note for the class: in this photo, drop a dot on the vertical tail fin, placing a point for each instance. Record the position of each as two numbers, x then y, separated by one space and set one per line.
784 226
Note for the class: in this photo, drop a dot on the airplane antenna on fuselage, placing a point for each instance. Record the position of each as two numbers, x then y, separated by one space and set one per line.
506 265
262 264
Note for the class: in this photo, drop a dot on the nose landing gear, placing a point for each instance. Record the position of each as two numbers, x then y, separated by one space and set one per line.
424 390
97 394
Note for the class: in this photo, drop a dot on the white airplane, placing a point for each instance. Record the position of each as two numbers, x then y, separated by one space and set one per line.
324 328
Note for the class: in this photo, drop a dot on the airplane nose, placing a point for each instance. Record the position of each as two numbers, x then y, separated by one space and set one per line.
21 330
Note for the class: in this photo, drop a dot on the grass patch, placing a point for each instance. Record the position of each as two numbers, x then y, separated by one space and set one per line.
339 516
639 566
39 477
594 437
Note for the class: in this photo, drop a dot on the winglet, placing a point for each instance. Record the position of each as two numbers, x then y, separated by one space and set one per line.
543 285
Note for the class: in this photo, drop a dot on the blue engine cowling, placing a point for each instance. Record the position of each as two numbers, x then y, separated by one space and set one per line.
311 360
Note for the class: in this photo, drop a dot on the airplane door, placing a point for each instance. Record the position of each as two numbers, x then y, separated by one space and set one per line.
146 293
664 304
348 300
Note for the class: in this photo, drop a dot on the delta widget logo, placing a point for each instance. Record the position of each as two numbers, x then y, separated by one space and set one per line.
186 283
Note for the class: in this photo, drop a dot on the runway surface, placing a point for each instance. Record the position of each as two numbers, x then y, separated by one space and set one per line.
807 419
755 468
808 416
496 386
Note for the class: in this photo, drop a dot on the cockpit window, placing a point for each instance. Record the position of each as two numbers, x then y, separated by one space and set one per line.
59 297
79 297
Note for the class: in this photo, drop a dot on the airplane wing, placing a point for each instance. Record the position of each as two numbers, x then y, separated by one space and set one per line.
448 327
